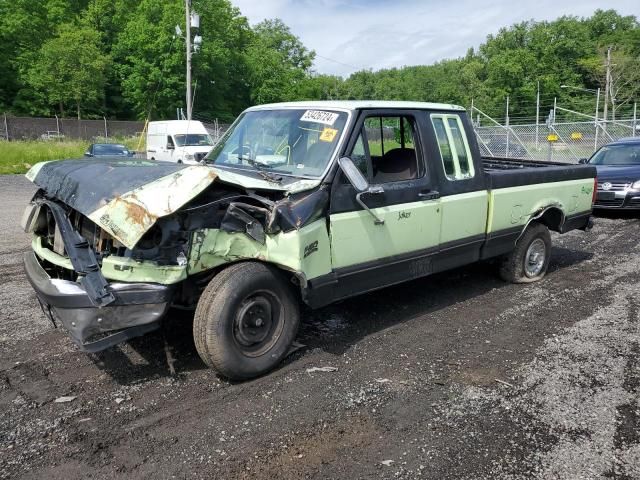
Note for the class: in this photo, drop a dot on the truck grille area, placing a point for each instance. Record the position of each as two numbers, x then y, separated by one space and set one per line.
102 242
161 245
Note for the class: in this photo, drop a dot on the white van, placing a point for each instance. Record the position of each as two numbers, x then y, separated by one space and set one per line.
181 141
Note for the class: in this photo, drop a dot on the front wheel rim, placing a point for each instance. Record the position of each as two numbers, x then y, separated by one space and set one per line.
258 323
535 258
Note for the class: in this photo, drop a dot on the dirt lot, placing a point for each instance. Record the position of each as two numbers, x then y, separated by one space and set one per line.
454 376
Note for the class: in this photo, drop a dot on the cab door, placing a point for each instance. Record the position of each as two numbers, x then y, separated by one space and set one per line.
387 147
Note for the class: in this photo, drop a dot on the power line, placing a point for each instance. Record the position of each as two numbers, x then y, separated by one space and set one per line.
340 63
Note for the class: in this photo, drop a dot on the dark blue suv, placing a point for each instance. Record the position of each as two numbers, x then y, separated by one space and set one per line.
618 165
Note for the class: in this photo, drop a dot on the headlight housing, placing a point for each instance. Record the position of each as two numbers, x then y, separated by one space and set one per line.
636 185
188 156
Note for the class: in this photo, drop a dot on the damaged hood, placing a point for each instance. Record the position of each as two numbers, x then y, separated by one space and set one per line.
125 197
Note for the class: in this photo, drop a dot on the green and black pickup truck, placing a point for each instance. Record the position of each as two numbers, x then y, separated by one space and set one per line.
308 202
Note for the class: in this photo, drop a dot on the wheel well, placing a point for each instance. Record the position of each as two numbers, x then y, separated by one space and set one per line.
551 217
194 285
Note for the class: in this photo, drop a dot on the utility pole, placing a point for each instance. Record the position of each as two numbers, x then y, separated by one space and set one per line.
506 153
607 86
537 113
595 143
188 42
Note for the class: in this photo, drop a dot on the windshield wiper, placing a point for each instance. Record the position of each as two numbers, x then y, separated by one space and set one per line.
259 167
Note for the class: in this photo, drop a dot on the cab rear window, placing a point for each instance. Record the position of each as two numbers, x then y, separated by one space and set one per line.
453 146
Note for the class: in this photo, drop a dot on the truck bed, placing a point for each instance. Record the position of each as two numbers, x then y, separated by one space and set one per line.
510 163
513 172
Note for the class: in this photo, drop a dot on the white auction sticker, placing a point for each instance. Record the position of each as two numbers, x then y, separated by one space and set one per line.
319 116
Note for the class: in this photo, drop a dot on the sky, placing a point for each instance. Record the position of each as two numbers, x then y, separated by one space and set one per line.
353 35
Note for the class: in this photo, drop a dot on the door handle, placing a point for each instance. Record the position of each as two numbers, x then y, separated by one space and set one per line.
429 195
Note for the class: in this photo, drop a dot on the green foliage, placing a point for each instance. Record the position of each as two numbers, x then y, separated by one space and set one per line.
20 156
122 59
278 63
566 51
70 68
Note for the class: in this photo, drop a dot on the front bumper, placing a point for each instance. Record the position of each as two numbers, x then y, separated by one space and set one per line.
624 199
136 310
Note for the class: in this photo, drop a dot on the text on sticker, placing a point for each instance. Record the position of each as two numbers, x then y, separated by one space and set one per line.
319 116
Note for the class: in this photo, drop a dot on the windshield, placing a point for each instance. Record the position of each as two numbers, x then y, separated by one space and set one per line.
193 140
296 142
110 150
617 155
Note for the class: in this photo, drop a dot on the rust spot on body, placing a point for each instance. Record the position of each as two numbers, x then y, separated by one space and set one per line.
135 212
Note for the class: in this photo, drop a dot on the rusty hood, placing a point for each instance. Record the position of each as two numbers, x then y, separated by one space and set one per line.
125 197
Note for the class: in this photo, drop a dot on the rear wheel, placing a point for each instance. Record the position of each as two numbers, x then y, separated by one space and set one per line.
529 260
245 320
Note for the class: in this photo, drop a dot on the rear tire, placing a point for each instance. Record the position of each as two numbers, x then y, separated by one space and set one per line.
529 260
245 320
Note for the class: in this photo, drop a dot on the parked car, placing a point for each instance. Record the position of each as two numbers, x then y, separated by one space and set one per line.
180 141
618 165
296 204
107 150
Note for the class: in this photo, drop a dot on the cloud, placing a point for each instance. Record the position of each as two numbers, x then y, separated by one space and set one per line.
374 34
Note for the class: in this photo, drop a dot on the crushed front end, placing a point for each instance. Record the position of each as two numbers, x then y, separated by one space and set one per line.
107 257
64 269
116 243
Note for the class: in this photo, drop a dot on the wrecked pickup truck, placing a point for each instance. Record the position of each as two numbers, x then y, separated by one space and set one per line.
308 203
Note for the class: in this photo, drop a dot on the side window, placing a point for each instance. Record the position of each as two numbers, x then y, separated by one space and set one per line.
391 155
453 146
359 156
170 142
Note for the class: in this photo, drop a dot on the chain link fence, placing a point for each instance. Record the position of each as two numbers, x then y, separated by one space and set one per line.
558 142
212 125
39 128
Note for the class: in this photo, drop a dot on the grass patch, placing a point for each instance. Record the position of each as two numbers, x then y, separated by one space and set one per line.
20 156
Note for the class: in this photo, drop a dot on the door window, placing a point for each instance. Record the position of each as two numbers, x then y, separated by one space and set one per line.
454 148
385 150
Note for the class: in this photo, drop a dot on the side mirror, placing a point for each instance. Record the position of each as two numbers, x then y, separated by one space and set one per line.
170 146
361 185
352 173
88 154
583 160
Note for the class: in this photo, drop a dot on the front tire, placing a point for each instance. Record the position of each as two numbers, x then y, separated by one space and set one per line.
529 260
245 320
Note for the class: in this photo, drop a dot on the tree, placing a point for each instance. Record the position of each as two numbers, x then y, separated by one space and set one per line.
278 63
624 80
150 59
320 87
70 68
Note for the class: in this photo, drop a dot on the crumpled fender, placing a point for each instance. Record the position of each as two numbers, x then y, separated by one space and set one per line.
125 197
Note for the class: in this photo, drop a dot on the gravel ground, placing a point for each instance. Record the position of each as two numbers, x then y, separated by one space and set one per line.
455 376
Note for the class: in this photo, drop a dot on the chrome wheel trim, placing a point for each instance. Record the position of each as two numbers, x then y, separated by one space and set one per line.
535 258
